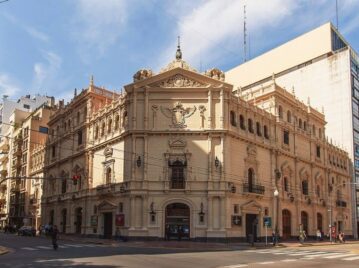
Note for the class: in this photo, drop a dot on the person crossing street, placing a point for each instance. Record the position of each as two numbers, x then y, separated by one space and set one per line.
54 237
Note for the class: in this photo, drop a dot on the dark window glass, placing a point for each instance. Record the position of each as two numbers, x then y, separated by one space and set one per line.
286 137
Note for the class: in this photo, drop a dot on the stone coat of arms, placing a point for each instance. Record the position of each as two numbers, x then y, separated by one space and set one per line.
178 114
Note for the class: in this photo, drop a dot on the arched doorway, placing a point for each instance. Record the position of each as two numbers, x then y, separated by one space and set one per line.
304 220
78 222
177 223
319 222
287 226
52 216
63 222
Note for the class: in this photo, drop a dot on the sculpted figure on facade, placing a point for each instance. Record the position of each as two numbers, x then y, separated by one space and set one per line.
180 81
178 114
215 74
142 74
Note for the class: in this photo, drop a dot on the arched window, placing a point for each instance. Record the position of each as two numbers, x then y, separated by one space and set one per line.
280 112
304 221
79 137
286 186
177 174
78 117
241 122
103 129
289 117
305 187
232 115
266 134
117 122
314 131
108 175
300 123
109 126
250 125
65 126
69 123
319 222
125 119
258 127
318 191
250 179
320 133
305 125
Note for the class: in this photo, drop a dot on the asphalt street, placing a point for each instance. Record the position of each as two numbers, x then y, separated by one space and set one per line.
38 252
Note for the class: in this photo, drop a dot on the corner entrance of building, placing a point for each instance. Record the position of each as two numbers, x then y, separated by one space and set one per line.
251 227
107 225
177 223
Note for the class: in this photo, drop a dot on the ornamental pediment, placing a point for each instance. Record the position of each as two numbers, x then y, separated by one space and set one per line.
251 206
106 205
179 81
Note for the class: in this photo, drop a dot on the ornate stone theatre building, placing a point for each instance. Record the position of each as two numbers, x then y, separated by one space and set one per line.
183 154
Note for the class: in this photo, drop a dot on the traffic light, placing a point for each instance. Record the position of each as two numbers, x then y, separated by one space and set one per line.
76 178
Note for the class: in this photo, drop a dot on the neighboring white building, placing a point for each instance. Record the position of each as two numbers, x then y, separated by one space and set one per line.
321 68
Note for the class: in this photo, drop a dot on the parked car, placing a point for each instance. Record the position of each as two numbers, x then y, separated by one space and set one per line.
27 231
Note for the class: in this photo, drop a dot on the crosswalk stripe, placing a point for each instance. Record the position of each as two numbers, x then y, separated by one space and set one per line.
309 253
63 246
234 266
73 245
43 247
266 262
351 258
300 253
289 260
27 248
321 255
341 255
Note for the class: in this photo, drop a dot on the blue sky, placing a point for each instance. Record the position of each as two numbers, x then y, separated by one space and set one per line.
53 46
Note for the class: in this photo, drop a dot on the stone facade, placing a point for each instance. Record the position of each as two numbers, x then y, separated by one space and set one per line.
179 154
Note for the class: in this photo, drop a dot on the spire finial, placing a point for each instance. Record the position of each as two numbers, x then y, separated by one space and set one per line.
91 80
178 52
75 92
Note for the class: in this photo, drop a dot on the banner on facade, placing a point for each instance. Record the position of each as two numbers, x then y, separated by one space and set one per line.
94 220
120 220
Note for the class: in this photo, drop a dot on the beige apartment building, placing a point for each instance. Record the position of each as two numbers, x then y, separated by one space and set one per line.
180 154
28 132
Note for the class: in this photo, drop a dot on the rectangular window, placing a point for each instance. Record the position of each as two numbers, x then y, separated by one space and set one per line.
318 151
53 151
44 130
120 207
26 106
286 137
79 138
235 209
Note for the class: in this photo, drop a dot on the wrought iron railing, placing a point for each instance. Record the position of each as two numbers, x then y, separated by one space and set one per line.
253 188
341 203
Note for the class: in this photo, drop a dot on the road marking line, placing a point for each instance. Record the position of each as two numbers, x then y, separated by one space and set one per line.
90 246
43 247
26 248
234 266
351 259
63 247
73 245
321 255
288 260
266 262
301 253
341 255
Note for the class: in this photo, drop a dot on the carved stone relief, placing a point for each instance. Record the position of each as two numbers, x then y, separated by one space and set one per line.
179 81
178 114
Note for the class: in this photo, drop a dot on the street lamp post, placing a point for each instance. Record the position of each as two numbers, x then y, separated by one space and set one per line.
330 225
276 195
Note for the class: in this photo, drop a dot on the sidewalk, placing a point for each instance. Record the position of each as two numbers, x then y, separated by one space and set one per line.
198 245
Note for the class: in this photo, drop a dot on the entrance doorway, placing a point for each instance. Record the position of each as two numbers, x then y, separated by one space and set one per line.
63 222
286 221
78 222
177 223
107 225
251 227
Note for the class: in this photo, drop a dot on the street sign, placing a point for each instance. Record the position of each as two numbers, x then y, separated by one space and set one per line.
267 221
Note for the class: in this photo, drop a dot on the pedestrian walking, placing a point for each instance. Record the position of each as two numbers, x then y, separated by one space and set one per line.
319 235
54 237
302 236
167 232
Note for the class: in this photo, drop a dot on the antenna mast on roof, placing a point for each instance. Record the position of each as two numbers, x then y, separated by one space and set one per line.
336 13
244 34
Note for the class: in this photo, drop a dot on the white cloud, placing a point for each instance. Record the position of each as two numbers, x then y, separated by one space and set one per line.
46 73
28 29
8 86
98 23
213 28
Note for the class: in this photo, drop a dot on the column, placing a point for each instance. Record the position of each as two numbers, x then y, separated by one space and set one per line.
210 213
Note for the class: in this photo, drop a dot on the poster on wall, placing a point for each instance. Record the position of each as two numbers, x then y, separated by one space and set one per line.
94 220
120 220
